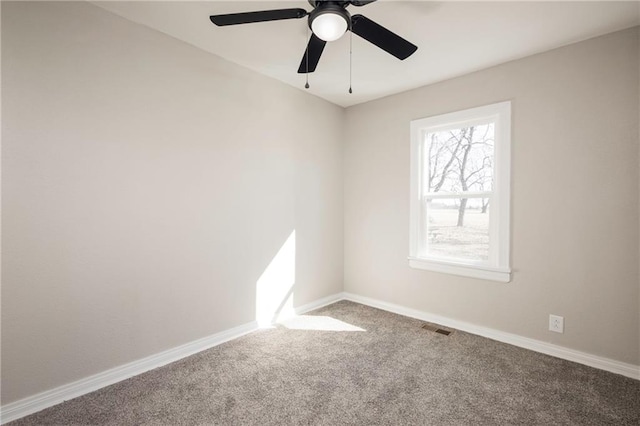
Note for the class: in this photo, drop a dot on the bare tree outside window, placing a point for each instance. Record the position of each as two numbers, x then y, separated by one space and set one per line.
459 180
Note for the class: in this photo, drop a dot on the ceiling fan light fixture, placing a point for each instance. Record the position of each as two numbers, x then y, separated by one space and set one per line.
329 24
328 20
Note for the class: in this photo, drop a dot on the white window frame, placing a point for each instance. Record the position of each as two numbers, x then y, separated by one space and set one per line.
497 267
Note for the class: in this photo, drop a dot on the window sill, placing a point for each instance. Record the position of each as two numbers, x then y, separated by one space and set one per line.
481 272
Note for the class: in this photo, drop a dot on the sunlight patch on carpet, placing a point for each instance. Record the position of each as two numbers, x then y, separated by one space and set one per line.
319 323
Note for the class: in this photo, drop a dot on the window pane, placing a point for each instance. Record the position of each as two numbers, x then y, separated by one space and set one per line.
459 159
458 228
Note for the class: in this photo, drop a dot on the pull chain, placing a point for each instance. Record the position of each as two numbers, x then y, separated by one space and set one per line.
350 59
306 55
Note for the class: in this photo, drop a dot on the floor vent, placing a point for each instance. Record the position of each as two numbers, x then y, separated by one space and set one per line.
436 329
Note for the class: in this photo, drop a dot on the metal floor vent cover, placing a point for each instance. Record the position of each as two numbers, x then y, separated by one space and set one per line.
436 329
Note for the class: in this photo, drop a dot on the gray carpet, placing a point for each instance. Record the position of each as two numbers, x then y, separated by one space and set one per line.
393 373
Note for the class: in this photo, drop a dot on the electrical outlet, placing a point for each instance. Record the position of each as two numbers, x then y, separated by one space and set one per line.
556 323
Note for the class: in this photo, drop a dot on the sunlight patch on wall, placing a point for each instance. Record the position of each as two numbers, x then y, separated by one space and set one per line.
320 323
274 289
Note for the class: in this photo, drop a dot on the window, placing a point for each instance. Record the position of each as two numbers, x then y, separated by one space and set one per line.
460 192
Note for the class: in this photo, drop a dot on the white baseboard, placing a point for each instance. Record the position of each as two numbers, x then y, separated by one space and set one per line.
320 303
38 402
613 366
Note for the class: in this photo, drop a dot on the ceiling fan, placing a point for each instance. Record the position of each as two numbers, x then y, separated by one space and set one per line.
328 21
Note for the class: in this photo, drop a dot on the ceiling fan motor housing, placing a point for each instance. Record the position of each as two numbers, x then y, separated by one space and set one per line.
335 8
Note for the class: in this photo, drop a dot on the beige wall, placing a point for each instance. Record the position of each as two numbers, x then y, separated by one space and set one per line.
147 185
574 198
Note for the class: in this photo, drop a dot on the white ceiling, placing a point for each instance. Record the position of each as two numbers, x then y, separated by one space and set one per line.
453 38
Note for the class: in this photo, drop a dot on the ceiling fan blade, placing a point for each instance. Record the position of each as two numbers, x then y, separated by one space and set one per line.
361 2
382 37
260 16
314 51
